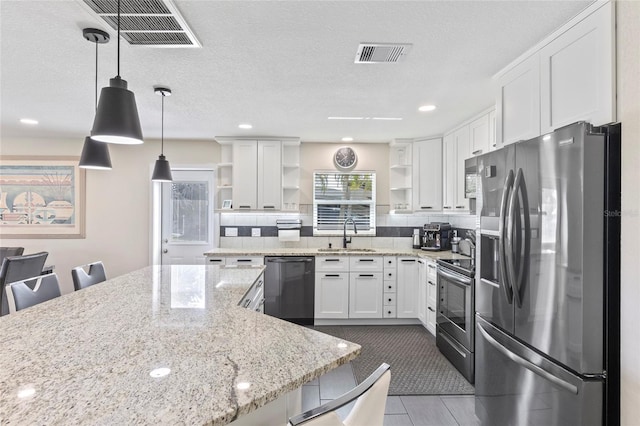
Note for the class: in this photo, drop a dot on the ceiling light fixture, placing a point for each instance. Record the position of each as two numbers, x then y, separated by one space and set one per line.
30 121
162 169
95 154
117 118
426 108
345 118
245 126
347 139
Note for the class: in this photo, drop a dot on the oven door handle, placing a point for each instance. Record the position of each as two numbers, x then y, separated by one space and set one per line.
457 278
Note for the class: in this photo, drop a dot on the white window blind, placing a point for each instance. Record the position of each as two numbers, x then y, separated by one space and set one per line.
338 196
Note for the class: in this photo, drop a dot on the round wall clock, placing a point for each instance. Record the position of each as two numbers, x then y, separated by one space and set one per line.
345 158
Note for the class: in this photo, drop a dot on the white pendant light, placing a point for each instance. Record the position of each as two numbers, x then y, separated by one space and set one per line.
117 118
95 154
162 169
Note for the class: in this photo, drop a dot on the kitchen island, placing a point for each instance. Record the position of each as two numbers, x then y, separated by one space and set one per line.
161 345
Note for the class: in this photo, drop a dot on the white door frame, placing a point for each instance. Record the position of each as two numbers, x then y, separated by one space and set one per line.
155 233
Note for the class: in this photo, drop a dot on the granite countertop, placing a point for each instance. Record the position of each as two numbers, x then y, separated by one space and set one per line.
445 254
88 357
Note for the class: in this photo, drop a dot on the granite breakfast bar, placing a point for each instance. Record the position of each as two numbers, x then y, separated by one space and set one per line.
161 345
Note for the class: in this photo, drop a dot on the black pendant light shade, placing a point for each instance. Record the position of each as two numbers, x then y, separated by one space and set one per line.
95 155
117 118
162 169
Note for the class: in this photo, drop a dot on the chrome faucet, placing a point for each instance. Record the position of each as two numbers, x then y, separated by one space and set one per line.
346 241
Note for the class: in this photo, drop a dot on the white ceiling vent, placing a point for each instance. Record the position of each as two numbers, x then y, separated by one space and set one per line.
155 23
381 53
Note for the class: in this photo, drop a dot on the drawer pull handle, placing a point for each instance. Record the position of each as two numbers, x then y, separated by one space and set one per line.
426 207
260 284
215 260
244 207
269 207
431 309
366 275
243 260
365 260
332 275
332 260
446 207
431 266
477 151
459 207
408 260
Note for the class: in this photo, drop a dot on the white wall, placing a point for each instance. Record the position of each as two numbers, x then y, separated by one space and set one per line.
628 56
117 203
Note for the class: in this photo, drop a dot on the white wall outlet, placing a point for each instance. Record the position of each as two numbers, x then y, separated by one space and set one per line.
230 232
255 232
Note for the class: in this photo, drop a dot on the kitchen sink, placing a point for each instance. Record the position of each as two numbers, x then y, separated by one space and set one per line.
347 250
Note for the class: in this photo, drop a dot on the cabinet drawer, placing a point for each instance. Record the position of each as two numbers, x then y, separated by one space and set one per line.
365 263
432 270
215 261
389 287
332 263
248 261
389 312
389 299
389 262
389 275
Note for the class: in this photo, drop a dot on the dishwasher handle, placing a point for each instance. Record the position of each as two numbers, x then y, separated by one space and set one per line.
285 260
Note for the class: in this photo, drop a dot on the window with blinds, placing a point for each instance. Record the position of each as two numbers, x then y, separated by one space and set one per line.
338 196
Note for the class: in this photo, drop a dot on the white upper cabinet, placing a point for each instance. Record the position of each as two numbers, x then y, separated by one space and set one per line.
463 151
480 135
245 152
269 184
518 103
492 130
577 79
259 174
449 162
568 77
400 175
427 174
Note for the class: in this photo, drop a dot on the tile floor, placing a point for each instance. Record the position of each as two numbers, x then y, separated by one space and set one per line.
418 410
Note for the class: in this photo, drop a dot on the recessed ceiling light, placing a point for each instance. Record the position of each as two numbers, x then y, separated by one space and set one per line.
347 139
245 126
387 118
28 121
345 118
160 372
425 108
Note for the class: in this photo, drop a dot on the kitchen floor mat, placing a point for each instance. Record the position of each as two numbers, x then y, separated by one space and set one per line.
417 366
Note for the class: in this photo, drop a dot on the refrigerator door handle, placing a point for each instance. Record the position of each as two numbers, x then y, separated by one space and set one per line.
502 258
523 273
528 364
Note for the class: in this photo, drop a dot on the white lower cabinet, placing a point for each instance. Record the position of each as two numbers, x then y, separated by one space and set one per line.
407 288
332 295
422 291
432 295
365 294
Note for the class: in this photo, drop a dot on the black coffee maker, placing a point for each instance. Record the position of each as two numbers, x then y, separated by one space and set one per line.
436 236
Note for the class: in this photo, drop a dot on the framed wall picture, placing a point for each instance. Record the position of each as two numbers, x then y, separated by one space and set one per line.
226 204
41 197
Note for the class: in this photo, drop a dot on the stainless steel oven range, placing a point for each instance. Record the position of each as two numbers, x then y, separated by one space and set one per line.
455 316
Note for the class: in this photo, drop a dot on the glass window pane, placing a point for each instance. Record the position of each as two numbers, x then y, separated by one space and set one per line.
189 212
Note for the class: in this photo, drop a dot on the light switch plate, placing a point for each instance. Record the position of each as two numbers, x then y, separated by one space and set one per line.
230 232
255 232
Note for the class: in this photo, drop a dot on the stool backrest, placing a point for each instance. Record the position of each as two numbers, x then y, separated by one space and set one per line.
82 279
46 288
16 268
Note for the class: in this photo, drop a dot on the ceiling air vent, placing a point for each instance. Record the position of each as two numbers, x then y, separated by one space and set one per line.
381 53
155 23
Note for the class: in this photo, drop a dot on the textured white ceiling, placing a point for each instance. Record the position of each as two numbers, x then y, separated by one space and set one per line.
283 66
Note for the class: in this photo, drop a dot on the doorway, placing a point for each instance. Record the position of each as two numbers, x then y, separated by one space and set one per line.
184 217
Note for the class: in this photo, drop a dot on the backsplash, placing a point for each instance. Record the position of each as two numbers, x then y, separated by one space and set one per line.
392 230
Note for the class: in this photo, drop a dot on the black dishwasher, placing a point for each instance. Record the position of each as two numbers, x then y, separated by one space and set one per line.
289 288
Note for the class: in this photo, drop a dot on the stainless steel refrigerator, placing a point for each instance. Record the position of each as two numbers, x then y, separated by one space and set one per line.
547 297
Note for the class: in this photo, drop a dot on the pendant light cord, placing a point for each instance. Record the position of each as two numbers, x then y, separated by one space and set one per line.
96 85
118 38
162 128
